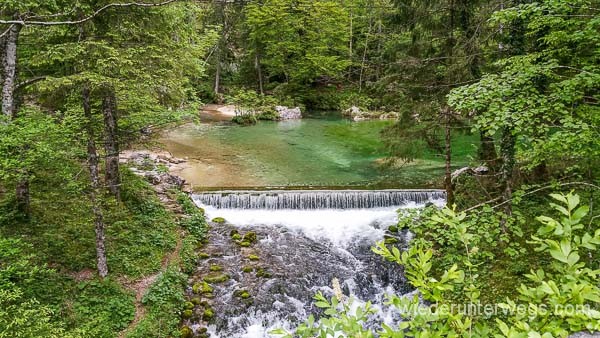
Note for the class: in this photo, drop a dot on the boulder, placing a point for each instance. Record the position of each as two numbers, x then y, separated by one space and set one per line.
286 113
354 111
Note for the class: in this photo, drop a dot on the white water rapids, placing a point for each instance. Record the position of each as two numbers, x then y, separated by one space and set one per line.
303 249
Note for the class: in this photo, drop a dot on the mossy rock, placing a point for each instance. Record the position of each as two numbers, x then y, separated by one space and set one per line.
250 237
196 301
205 303
215 278
253 257
187 314
245 244
233 233
218 220
188 305
202 288
236 237
202 332
208 314
243 294
262 273
206 288
209 295
197 288
393 228
216 267
247 268
203 255
391 240
186 332
202 211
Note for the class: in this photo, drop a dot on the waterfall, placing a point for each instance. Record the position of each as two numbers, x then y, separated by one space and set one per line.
316 199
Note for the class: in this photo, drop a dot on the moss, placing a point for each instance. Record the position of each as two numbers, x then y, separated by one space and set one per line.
250 237
187 314
202 288
215 278
253 257
204 303
391 240
393 228
188 305
262 273
216 267
186 332
208 314
233 233
196 301
203 255
209 295
218 220
244 244
247 268
243 294
196 287
206 288
236 237
201 211
202 330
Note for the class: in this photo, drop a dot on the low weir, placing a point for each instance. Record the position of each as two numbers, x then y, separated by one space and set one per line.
316 199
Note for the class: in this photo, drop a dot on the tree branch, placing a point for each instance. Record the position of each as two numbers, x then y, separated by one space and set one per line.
531 192
28 82
87 18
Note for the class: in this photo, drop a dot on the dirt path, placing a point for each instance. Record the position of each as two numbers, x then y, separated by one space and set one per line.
141 286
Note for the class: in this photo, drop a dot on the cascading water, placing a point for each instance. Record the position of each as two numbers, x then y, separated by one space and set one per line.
316 199
305 239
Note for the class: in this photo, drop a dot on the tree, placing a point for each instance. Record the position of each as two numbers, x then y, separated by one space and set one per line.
544 98
144 63
301 41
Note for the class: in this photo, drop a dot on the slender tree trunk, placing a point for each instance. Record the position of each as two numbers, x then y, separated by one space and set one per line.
9 83
218 73
507 149
111 145
92 156
23 197
364 56
487 150
2 58
10 70
259 72
448 160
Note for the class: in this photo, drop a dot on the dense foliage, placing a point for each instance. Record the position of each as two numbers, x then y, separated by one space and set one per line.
81 80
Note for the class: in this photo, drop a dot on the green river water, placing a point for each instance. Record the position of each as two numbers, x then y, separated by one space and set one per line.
320 151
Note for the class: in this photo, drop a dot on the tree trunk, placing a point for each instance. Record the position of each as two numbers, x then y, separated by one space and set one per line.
111 145
23 197
92 156
487 150
10 70
259 72
364 56
8 43
507 149
218 74
448 161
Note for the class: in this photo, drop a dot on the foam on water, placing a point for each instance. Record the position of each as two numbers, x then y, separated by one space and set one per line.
312 239
339 227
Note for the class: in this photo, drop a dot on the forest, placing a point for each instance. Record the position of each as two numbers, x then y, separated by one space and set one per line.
387 168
